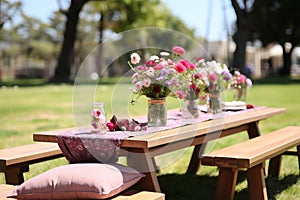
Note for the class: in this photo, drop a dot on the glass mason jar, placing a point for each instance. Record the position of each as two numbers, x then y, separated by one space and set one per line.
190 109
214 103
98 121
157 112
240 94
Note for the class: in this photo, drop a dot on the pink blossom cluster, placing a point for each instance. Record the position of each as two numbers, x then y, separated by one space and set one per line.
159 76
239 80
216 75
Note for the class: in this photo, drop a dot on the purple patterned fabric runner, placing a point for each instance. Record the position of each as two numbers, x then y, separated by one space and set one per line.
82 146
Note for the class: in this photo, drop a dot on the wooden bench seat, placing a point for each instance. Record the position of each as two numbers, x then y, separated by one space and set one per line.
16 160
251 155
144 195
6 190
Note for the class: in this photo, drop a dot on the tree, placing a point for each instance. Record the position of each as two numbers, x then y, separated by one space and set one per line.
245 12
114 15
8 10
63 69
277 21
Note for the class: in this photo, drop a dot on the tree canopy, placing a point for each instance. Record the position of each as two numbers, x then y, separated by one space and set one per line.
278 21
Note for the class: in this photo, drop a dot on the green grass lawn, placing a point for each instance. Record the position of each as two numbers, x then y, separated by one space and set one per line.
25 110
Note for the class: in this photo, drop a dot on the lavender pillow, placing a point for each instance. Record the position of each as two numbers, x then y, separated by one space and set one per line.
79 181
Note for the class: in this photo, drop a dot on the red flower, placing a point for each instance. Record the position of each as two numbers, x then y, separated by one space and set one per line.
180 68
110 126
196 76
185 63
193 86
192 66
150 63
156 89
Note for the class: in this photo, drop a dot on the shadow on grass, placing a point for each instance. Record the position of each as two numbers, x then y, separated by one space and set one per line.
191 187
195 187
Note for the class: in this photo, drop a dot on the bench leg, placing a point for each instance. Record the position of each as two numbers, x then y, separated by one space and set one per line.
274 166
298 153
14 176
256 183
226 183
195 163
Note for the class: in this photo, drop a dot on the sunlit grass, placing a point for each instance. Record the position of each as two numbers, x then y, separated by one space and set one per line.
26 110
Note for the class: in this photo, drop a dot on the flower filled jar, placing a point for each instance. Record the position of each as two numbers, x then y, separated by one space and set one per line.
159 77
157 112
98 121
240 84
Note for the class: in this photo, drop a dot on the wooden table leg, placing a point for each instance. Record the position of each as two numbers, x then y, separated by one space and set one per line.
256 183
274 166
298 153
226 183
195 162
142 161
253 130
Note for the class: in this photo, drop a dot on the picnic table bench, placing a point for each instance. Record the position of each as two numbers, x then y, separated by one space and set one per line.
251 155
15 161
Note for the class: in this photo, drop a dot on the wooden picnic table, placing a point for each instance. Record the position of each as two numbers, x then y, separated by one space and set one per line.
141 150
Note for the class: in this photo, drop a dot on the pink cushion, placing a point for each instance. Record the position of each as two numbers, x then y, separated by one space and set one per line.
79 181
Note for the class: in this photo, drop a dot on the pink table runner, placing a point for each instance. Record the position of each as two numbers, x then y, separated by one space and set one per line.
82 146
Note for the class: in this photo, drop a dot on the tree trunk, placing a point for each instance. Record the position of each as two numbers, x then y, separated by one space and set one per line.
99 58
287 61
240 37
63 68
239 56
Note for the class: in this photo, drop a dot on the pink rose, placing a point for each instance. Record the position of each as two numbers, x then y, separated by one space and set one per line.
141 67
241 79
178 50
158 66
180 68
192 66
213 77
180 94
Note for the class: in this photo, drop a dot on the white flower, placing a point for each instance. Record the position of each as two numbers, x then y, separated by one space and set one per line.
154 58
201 61
150 72
135 58
237 73
213 66
164 53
